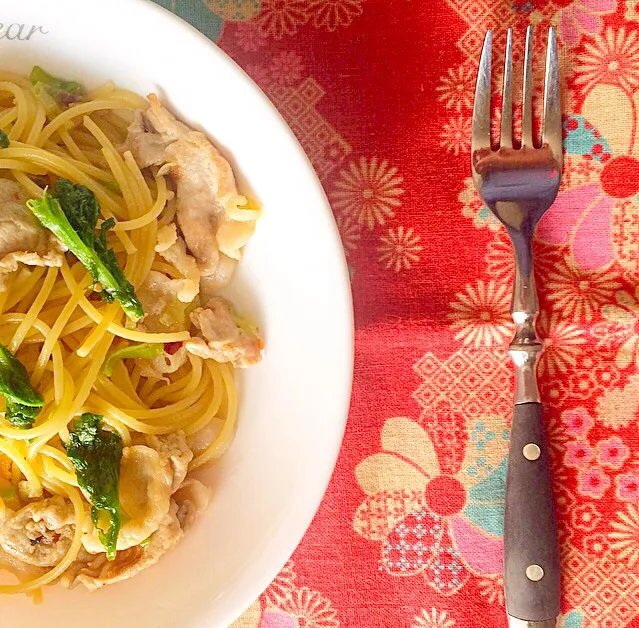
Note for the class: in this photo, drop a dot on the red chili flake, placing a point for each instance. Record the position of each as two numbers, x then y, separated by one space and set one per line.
172 347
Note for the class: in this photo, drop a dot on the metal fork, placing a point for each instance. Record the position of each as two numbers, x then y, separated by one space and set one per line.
519 185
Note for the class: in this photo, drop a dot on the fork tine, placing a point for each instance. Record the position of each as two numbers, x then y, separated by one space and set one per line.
526 112
506 138
552 133
481 109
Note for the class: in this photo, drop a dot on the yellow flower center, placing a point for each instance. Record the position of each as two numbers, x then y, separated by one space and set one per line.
484 315
613 66
584 285
368 193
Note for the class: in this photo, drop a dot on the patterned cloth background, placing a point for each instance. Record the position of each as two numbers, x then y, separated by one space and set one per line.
379 93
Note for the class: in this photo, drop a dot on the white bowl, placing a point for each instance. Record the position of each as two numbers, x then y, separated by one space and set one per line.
293 280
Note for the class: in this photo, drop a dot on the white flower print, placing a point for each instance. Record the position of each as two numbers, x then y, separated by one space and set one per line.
455 89
399 249
350 230
455 135
433 619
368 189
481 314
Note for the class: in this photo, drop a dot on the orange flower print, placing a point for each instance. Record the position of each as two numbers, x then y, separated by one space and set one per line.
431 521
480 314
281 17
433 619
350 231
369 190
492 588
619 331
399 249
624 536
612 59
282 586
562 343
577 293
332 14
632 11
455 135
309 608
285 605
500 259
456 88
619 407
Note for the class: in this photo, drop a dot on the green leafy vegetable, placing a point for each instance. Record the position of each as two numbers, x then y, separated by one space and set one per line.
20 415
96 454
148 350
4 140
72 214
63 91
23 402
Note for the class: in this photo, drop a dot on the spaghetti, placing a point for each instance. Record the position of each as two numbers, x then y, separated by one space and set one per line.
55 323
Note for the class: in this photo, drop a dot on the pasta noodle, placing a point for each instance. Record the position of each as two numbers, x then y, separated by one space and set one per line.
62 332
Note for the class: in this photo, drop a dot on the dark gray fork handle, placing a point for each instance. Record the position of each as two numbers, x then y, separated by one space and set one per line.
531 551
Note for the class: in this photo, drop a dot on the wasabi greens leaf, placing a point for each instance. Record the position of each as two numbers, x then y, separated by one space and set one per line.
96 454
23 402
72 215
147 350
64 92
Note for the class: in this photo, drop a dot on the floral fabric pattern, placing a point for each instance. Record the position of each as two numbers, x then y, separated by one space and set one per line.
380 96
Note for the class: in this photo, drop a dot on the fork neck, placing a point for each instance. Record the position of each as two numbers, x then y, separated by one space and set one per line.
526 345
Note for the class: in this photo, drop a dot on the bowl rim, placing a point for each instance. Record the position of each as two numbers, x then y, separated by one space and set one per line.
305 522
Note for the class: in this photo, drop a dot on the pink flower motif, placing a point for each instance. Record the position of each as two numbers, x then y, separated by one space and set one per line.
627 487
578 454
287 68
259 74
612 452
578 422
276 618
582 218
247 37
583 17
593 483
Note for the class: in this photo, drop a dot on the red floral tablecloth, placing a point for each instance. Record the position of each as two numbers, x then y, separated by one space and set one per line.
379 93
